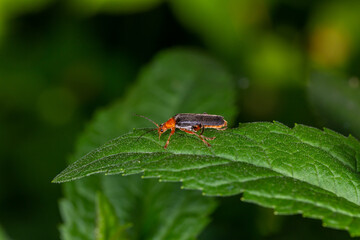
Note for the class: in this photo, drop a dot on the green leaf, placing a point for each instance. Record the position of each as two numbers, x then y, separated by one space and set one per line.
300 170
178 80
3 235
108 226
336 100
157 211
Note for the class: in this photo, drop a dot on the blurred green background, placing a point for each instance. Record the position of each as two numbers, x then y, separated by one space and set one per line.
294 62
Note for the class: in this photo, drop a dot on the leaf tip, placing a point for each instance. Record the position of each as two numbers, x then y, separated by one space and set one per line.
54 181
57 179
62 179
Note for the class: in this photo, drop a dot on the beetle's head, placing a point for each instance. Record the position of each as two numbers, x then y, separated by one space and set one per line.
162 128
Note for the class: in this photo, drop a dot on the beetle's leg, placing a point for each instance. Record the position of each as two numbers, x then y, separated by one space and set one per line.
171 133
208 138
200 136
222 129
198 127
202 129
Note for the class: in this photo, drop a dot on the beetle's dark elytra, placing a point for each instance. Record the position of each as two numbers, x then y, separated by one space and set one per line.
191 119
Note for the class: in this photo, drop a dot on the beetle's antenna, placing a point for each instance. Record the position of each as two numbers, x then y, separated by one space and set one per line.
147 119
145 133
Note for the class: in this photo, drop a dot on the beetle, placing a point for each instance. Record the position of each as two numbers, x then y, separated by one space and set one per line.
191 123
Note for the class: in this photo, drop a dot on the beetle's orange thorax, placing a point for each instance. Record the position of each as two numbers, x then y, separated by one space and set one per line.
170 123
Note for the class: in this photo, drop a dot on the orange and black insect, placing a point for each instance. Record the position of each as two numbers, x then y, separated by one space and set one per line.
191 123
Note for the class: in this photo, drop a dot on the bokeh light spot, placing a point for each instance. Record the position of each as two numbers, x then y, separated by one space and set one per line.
329 46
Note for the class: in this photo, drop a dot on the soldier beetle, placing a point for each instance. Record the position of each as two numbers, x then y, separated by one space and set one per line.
190 123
